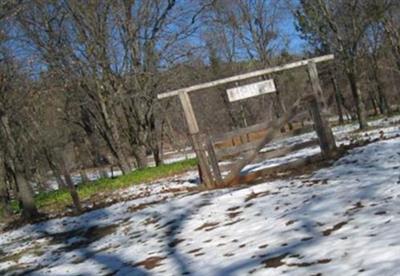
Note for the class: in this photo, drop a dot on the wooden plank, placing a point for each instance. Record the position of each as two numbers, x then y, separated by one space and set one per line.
274 130
223 154
235 150
239 132
261 127
285 150
244 76
253 136
250 177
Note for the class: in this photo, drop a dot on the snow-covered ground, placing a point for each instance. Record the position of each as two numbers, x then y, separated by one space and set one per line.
341 220
386 127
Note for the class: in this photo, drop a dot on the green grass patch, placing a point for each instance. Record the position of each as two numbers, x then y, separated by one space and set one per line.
62 197
59 199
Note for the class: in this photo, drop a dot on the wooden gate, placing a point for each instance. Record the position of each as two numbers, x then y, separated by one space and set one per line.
250 141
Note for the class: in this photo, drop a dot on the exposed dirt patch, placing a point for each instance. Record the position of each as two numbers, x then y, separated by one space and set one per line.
194 250
355 208
290 222
233 222
233 208
380 213
233 214
139 207
175 242
305 264
85 236
263 246
253 195
150 262
229 254
151 220
207 225
336 227
303 167
274 261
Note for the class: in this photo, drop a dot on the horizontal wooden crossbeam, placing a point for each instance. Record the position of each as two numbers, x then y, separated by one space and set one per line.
245 76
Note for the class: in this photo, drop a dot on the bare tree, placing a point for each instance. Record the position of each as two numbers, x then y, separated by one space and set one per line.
391 24
14 135
340 25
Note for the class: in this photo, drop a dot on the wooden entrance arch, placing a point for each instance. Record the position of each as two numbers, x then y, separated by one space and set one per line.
203 147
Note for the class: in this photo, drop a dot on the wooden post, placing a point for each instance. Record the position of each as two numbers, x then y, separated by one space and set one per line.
213 160
316 86
198 148
194 134
324 132
189 113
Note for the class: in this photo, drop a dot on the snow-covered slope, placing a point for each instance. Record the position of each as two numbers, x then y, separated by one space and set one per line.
342 220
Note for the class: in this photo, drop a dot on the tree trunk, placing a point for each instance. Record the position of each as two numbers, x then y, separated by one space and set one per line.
73 192
103 172
25 195
157 157
141 157
160 146
56 172
95 154
122 161
60 181
373 102
233 121
355 91
338 98
281 105
4 196
71 187
23 188
84 176
112 136
382 99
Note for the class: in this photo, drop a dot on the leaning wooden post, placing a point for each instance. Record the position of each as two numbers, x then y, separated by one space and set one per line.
213 160
324 132
195 138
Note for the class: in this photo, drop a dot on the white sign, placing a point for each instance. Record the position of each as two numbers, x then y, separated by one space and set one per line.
251 90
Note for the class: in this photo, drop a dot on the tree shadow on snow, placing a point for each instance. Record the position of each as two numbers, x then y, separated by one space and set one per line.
77 241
